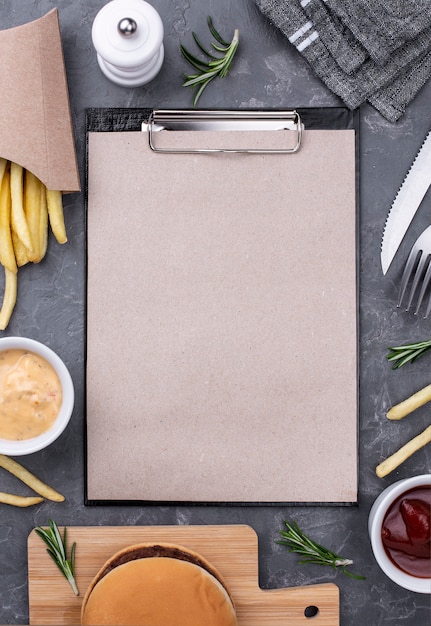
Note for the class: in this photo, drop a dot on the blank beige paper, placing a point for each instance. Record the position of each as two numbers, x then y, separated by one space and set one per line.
221 330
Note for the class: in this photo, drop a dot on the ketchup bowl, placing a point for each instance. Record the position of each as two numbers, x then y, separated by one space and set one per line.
399 529
36 396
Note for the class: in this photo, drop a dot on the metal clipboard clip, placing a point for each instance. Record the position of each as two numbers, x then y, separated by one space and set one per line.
159 120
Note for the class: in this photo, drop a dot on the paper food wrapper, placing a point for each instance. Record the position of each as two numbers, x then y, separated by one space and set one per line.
35 122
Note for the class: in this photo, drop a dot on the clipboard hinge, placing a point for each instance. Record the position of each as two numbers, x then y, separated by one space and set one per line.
161 119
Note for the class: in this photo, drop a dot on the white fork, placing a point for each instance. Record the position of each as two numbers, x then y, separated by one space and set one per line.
418 265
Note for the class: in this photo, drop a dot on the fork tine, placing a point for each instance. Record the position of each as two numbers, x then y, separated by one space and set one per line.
411 261
428 309
416 279
425 283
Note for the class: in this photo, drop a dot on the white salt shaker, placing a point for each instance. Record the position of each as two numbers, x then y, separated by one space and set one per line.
128 38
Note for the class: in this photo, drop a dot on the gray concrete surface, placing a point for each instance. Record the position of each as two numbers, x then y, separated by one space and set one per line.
51 308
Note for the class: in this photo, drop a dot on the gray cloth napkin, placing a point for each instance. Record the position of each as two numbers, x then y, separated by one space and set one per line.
363 50
382 26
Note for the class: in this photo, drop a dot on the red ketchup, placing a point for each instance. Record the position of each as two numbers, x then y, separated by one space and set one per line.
406 532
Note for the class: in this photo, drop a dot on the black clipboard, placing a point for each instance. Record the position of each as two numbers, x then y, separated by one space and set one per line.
131 120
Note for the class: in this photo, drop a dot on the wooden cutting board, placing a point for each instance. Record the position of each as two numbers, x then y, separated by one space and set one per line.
233 550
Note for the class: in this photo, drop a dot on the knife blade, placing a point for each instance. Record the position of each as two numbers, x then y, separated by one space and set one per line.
406 203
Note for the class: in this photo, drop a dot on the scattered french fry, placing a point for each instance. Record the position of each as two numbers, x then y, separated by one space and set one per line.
401 455
7 253
9 297
30 479
22 501
56 215
409 405
19 220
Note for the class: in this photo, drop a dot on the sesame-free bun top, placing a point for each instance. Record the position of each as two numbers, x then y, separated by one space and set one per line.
158 585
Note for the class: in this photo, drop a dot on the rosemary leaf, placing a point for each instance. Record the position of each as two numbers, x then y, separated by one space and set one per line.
194 61
214 65
311 551
202 48
215 33
198 79
200 90
57 550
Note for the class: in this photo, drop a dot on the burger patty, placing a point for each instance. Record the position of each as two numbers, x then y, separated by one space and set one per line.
160 551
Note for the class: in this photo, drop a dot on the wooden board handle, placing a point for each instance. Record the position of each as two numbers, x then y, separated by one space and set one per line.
294 606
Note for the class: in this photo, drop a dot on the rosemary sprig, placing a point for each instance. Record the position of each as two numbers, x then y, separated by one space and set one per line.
312 552
408 353
57 550
207 70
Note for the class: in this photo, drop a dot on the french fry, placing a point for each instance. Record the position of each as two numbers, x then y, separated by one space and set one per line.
27 208
22 501
32 187
19 221
409 405
7 254
43 223
20 250
30 479
412 446
56 216
3 166
9 298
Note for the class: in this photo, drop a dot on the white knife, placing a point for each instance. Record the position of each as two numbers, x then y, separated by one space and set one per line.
406 203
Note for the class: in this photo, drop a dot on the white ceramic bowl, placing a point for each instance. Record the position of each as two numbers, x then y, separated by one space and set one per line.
375 521
28 446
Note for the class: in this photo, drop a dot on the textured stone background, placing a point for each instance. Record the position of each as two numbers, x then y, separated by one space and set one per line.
51 308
